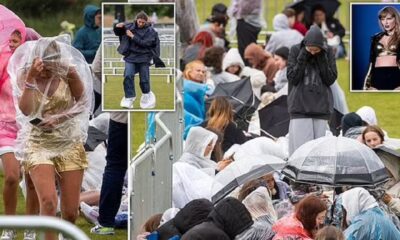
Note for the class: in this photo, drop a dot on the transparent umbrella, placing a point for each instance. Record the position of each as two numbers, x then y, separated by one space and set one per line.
336 161
242 171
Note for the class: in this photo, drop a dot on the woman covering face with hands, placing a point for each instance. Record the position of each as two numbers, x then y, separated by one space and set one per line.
52 87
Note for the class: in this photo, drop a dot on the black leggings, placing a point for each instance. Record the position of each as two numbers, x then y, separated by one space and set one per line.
385 78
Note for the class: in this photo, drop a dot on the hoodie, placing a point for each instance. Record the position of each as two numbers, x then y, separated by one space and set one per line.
262 60
283 36
257 77
88 37
310 77
228 219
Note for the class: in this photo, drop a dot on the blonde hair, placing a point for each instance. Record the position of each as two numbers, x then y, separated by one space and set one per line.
220 114
393 40
190 66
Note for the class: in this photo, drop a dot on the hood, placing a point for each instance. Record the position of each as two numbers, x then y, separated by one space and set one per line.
355 201
280 22
88 15
197 141
194 213
258 54
368 115
231 216
232 57
314 37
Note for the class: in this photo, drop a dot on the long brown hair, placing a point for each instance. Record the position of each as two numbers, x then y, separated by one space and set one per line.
393 40
220 114
307 211
375 129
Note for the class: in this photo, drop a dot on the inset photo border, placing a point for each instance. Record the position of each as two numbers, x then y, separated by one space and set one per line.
126 57
368 72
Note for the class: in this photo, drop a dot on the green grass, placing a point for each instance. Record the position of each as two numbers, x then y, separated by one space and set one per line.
113 92
80 223
138 129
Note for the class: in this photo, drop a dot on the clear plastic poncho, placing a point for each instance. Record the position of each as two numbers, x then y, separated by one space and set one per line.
259 204
61 102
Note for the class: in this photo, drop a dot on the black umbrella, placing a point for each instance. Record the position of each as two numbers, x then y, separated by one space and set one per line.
274 118
335 122
253 174
95 137
331 6
240 95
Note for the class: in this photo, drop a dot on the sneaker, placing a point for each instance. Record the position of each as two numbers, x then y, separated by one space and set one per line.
148 100
61 237
29 234
100 230
127 102
8 234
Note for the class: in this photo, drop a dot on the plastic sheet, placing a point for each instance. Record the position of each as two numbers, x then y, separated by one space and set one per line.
58 114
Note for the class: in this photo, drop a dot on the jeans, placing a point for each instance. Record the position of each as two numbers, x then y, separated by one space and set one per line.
129 78
114 173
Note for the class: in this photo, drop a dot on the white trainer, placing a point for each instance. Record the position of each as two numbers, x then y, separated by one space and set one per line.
127 102
29 234
8 234
148 100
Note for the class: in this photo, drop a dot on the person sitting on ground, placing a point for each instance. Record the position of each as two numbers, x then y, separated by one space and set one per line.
196 50
352 126
284 35
329 233
298 24
213 60
363 219
373 136
332 30
309 216
261 60
279 189
220 117
281 56
259 204
228 219
233 63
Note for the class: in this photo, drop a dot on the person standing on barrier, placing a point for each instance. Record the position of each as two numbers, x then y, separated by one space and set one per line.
139 45
114 173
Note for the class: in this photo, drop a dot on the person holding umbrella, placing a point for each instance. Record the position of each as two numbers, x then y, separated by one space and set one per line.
311 70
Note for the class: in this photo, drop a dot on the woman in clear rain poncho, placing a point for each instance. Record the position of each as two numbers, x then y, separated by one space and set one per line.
52 86
259 204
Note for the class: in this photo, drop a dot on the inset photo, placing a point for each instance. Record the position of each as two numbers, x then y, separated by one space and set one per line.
375 47
138 56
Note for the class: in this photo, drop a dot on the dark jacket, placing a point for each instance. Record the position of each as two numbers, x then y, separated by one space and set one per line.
309 78
228 219
142 47
194 213
232 135
88 37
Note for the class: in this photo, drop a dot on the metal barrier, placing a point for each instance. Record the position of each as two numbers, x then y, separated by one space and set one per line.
150 170
43 223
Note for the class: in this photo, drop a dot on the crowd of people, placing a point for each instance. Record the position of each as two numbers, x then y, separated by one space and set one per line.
298 60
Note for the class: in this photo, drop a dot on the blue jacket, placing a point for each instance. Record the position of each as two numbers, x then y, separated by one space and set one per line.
142 47
371 224
88 37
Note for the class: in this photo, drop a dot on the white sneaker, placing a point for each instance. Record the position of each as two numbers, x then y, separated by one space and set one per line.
8 234
148 100
127 102
29 234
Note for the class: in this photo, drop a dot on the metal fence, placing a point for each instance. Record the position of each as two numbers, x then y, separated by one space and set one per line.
151 169
43 223
113 63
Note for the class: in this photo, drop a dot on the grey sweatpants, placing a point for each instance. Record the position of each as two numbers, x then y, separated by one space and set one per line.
302 130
